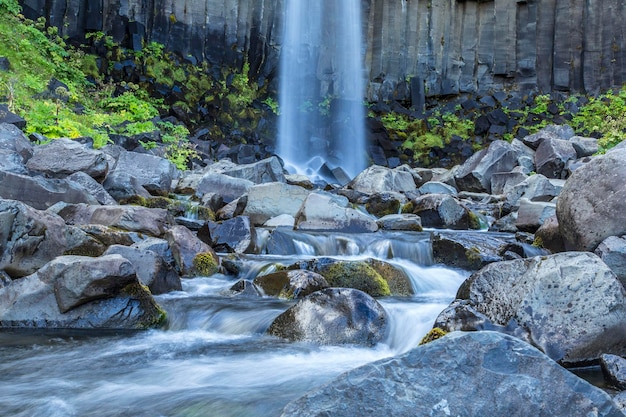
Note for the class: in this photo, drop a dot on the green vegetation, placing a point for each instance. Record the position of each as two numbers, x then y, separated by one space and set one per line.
433 334
604 116
205 264
357 275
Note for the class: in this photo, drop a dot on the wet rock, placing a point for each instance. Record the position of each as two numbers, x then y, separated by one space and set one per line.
441 211
246 289
294 284
154 222
592 204
612 251
41 193
570 305
234 235
552 157
80 293
398 281
468 250
405 222
333 316
508 378
29 238
532 214
475 174
185 246
614 370
323 211
150 267
379 179
272 199
62 157
354 274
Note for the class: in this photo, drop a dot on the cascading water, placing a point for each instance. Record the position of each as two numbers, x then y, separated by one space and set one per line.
321 123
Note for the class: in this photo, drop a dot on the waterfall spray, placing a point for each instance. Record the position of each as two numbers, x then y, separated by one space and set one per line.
321 124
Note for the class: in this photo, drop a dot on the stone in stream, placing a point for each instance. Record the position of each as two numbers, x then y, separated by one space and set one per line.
292 284
614 370
322 211
333 316
570 305
461 374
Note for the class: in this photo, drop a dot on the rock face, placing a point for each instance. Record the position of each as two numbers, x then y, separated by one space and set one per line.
570 305
502 44
333 316
507 376
592 204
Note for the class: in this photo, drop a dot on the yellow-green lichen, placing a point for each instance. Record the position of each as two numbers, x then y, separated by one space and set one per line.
433 334
205 263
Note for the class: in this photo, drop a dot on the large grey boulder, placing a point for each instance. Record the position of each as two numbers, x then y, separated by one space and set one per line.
185 246
11 161
230 188
612 251
272 199
585 146
322 211
532 214
442 211
13 139
558 132
235 235
552 157
152 221
80 293
29 238
151 268
333 316
41 193
379 179
93 187
405 221
570 305
292 284
62 157
134 172
468 250
475 174
534 188
461 374
592 204
266 170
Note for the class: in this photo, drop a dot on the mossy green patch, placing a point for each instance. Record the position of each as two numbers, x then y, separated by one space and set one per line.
433 334
205 263
357 275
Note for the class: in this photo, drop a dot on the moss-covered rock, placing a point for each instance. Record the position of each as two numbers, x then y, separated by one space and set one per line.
291 284
433 334
358 275
397 280
205 263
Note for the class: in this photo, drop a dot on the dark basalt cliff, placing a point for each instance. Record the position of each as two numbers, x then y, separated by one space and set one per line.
454 46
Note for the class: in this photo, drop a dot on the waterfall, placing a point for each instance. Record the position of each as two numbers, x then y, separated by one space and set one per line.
321 123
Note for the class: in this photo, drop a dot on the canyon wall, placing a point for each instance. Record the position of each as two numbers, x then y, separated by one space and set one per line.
442 47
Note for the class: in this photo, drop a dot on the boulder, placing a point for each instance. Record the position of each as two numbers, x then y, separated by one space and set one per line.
532 214
8 117
382 204
552 157
134 172
570 305
534 188
93 187
436 187
398 281
468 250
322 211
592 204
110 235
612 251
13 139
233 209
475 174
461 374
584 146
159 246
558 132
501 181
152 221
549 235
80 293
354 274
229 188
441 211
405 222
333 316
151 268
294 284
185 247
235 235
29 238
379 179
41 193
62 157
272 199
614 370
11 161
266 170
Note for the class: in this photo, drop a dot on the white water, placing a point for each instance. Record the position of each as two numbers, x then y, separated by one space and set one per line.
213 358
321 58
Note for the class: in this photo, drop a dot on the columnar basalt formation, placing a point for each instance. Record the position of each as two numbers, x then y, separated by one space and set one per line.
454 46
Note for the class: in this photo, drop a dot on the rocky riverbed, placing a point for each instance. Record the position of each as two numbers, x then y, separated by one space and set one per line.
90 238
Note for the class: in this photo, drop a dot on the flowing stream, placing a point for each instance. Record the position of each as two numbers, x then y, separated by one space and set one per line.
212 358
